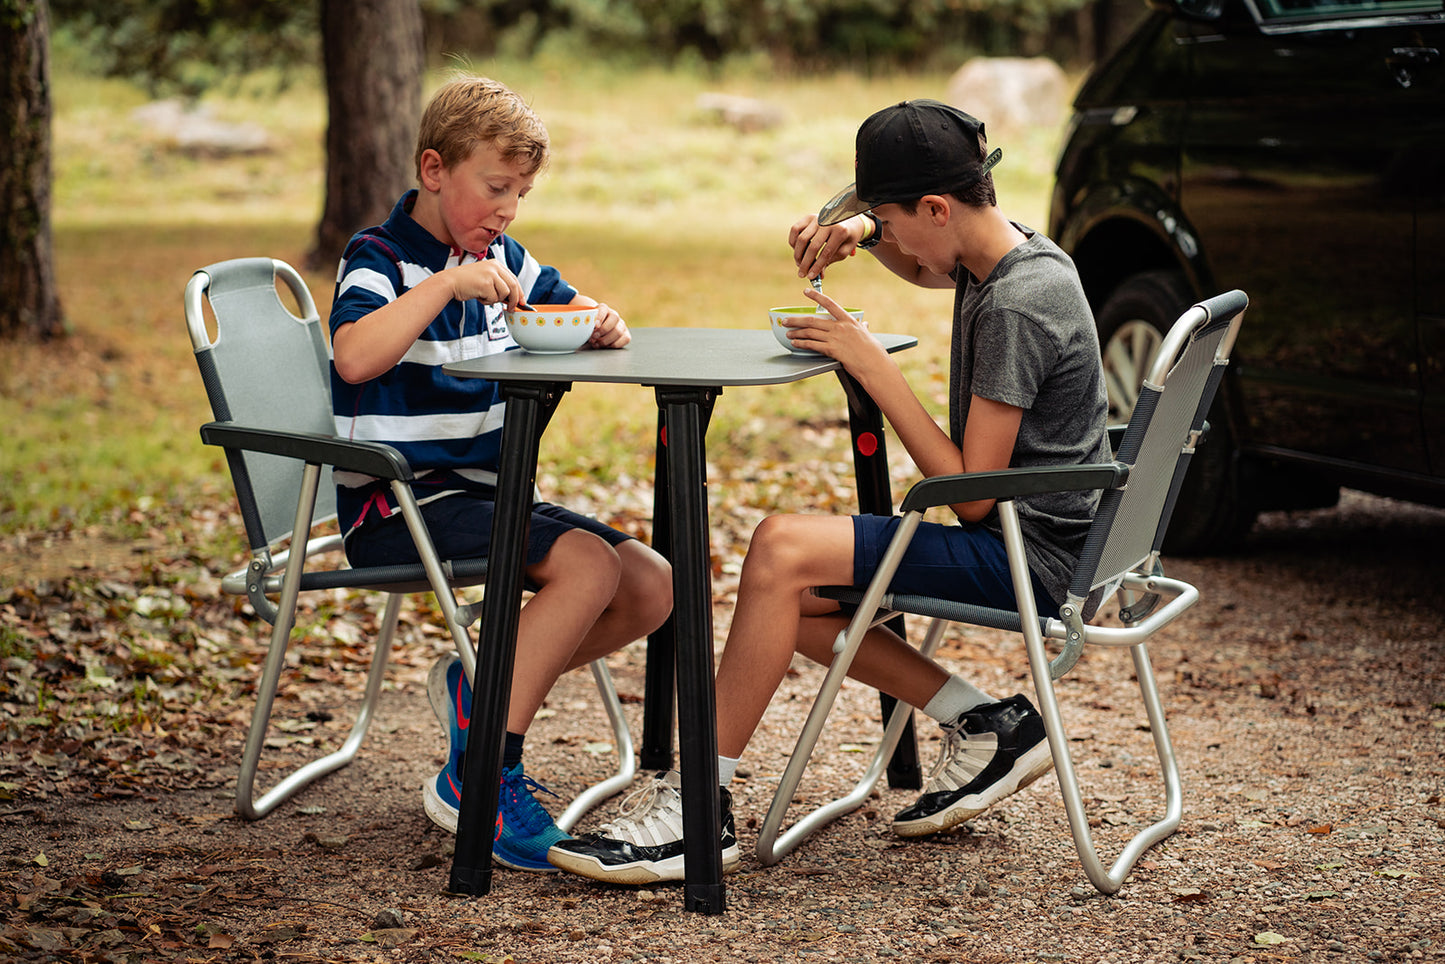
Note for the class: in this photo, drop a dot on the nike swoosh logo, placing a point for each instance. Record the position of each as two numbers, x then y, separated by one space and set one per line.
464 719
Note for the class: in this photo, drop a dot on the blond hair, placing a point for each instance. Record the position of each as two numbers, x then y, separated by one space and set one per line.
469 111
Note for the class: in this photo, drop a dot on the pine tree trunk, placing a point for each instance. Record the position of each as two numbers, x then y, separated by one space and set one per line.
374 62
29 303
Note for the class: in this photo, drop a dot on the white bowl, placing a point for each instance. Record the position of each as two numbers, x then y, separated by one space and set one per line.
780 331
552 329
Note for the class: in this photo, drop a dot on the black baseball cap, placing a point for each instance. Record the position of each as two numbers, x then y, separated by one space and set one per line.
913 148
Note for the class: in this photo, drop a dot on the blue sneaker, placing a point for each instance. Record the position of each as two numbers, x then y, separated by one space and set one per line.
451 701
525 831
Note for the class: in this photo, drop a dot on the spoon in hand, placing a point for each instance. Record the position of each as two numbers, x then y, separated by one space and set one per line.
818 287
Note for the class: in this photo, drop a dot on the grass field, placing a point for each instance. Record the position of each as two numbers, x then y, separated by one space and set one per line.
648 204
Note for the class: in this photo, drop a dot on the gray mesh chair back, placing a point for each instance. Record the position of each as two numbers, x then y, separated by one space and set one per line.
1158 443
1121 556
259 342
267 375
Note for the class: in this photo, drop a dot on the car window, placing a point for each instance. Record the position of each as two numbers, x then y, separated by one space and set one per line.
1294 11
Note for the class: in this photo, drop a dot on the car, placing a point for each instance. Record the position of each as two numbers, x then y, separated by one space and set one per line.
1294 149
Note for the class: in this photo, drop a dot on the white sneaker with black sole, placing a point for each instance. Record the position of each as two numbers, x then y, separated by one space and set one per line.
989 753
644 845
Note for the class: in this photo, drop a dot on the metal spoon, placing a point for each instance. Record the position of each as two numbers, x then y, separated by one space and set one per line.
818 287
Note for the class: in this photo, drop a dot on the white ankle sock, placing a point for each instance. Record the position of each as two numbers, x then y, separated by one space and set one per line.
727 768
954 698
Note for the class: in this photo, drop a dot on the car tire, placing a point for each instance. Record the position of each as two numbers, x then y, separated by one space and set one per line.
1211 515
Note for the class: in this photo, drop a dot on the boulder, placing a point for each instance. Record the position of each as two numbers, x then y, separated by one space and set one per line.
192 130
747 114
1008 92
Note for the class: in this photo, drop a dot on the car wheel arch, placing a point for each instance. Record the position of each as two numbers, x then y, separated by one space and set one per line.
1112 235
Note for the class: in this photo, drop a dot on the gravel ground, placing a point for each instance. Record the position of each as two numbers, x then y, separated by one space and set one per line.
1306 706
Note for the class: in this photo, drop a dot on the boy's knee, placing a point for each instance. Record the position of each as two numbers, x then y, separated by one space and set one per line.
777 543
582 558
646 585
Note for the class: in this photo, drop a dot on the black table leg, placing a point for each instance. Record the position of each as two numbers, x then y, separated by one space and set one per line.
655 753
875 497
683 409
529 405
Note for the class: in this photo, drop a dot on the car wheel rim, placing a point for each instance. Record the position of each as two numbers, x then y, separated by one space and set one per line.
1127 356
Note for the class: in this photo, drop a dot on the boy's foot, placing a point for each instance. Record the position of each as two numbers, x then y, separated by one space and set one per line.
989 752
451 700
525 830
645 843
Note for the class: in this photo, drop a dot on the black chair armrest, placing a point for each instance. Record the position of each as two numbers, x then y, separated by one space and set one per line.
370 458
1011 484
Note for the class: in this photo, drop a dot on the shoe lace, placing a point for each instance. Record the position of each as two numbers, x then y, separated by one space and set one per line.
520 805
648 804
960 759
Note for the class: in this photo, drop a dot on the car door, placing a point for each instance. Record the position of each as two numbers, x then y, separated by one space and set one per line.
1429 255
1301 155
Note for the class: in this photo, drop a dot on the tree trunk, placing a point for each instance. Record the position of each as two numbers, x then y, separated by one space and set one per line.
29 303
373 56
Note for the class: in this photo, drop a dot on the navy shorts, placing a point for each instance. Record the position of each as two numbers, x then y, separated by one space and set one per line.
461 528
962 563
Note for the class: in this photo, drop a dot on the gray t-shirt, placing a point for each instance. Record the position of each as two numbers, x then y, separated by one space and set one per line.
1025 336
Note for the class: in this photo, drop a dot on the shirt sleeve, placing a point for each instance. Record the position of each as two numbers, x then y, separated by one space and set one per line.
367 279
1019 353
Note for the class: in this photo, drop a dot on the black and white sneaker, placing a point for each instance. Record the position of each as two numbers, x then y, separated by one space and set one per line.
989 752
644 844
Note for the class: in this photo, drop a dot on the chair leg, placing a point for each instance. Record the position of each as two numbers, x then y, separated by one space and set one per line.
255 809
622 739
1106 881
774 846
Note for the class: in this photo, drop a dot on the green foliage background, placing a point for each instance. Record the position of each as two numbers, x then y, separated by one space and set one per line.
188 46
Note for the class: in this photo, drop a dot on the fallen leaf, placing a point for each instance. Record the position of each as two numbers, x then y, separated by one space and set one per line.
1323 828
1270 937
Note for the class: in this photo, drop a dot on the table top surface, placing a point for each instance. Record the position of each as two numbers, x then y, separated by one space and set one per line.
668 356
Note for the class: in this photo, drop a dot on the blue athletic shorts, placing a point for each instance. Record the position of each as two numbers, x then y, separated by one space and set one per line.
461 528
963 563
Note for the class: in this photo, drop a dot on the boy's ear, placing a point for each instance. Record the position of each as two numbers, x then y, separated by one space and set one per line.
430 169
936 207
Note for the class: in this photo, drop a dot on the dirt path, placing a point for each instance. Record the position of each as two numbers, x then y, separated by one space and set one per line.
1307 707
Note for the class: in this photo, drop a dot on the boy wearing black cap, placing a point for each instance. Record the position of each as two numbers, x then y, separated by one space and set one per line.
1026 389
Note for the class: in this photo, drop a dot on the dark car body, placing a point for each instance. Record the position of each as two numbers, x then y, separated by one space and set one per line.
1294 149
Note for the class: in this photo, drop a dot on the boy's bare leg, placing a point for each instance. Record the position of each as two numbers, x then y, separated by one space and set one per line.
591 592
578 578
775 617
641 603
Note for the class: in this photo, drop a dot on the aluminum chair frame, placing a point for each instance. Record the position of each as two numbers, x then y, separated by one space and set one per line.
268 384
1139 490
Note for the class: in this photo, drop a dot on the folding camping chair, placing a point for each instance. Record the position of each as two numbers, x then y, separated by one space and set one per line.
1139 490
267 375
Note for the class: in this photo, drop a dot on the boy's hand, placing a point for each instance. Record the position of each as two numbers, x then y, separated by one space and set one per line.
816 246
488 281
611 330
836 334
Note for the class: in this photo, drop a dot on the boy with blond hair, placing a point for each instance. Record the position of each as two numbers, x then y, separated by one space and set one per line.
426 288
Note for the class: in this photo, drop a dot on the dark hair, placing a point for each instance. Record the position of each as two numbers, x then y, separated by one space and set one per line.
979 194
